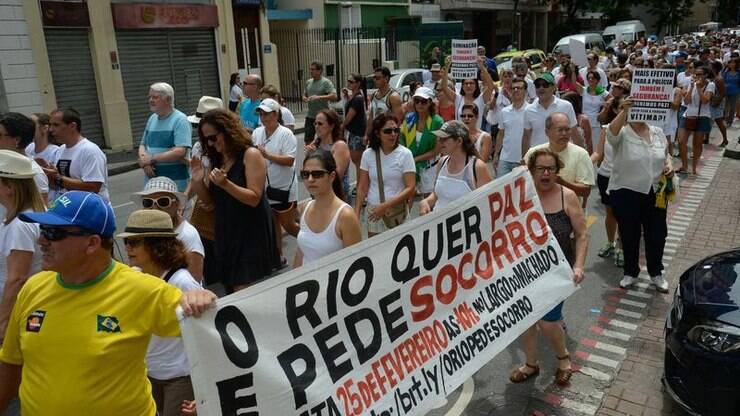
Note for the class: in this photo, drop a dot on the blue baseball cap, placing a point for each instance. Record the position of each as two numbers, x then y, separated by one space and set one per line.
77 208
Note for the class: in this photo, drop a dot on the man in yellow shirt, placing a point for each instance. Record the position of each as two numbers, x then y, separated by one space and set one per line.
79 331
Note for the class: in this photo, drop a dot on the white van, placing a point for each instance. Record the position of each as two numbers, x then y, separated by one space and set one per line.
628 31
591 40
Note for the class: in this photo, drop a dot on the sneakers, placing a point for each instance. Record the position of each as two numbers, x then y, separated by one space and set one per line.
607 250
626 282
618 257
660 283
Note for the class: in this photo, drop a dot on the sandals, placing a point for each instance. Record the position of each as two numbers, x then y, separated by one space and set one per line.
518 376
562 377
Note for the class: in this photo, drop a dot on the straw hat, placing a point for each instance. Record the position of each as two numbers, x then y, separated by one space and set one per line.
148 223
160 184
15 165
205 104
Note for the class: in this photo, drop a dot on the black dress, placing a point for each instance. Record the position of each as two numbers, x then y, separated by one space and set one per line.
244 247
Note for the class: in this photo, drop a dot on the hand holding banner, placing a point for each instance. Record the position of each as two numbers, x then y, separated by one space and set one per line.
388 325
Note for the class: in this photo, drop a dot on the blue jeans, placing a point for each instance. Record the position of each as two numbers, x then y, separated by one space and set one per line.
504 167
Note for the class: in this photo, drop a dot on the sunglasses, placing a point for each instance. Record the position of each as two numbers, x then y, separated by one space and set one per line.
211 138
58 233
391 130
541 84
132 242
316 174
467 115
420 101
162 202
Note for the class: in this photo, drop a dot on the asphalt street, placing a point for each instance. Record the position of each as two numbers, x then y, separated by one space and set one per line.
489 391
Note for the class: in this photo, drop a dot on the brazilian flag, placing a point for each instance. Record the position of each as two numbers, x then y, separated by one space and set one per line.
108 324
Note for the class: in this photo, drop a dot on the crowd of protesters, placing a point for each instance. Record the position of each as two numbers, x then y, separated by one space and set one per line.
214 211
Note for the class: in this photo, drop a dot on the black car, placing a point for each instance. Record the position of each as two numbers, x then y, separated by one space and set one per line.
702 338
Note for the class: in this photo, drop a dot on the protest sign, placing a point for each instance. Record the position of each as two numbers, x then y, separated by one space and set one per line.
577 52
389 325
464 59
668 41
652 93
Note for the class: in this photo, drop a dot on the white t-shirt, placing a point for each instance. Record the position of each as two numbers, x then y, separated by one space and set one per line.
84 161
592 105
21 236
478 102
683 80
692 109
535 116
42 181
531 91
282 142
236 93
511 120
288 117
493 116
165 357
394 165
47 154
188 235
604 81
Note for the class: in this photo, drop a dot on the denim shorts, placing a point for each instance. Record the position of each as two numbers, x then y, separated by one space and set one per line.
704 125
355 142
717 112
555 314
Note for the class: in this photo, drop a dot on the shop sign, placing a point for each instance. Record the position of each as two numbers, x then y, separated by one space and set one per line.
145 16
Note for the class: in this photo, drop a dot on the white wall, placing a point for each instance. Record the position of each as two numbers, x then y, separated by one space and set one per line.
17 69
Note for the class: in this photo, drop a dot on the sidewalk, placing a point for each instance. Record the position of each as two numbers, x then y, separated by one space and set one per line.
125 161
637 389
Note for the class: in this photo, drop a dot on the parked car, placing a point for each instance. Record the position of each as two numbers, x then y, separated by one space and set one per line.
400 81
591 40
702 338
536 58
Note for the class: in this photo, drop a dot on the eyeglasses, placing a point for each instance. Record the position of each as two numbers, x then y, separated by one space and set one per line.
467 115
211 138
420 101
162 202
58 233
132 242
318 123
548 169
316 174
390 130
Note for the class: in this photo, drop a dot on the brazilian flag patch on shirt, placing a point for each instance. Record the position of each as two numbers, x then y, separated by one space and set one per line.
108 324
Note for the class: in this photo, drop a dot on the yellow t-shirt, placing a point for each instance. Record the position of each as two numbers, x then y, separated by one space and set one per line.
83 347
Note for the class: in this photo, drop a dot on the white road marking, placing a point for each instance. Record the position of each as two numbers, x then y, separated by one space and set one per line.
621 324
616 335
637 294
607 362
634 303
610 348
598 375
465 396
579 407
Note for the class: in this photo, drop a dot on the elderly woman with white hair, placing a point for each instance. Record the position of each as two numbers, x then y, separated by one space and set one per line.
167 139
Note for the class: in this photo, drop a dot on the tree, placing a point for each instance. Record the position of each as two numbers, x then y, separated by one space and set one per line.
670 13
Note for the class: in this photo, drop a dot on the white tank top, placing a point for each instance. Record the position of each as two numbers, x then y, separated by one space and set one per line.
315 245
453 186
379 105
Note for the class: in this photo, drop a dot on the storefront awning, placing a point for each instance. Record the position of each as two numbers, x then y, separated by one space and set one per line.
302 14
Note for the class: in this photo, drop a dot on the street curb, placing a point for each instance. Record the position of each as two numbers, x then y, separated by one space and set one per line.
732 154
135 165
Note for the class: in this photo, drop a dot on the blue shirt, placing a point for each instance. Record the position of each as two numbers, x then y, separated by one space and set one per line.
161 135
247 113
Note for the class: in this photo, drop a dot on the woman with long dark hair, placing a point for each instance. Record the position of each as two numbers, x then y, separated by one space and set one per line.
235 91
480 140
355 120
244 246
390 164
470 91
460 170
330 137
697 100
327 212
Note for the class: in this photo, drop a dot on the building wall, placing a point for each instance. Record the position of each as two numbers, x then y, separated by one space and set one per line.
20 90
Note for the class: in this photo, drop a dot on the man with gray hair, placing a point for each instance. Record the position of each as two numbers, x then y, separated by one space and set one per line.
167 139
247 108
578 171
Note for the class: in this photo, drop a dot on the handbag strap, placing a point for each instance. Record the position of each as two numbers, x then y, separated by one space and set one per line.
381 189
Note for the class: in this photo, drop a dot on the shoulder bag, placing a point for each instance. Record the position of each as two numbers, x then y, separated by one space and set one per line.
395 215
692 122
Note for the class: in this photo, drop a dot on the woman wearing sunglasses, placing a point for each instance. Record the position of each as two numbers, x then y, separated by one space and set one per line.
470 92
396 172
19 252
330 137
417 136
244 247
460 171
355 119
480 139
327 212
152 246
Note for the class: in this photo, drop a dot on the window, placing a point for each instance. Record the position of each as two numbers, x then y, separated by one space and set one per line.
534 59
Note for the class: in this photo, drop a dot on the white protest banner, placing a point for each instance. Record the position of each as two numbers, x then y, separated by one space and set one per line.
668 41
390 325
652 93
577 51
464 59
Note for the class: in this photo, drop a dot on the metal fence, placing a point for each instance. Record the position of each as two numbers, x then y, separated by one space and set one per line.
351 50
